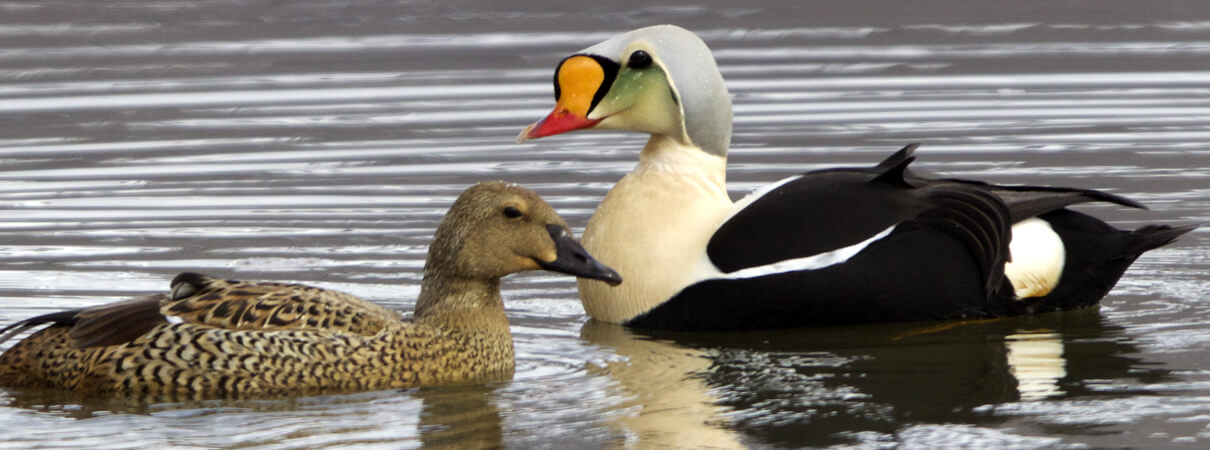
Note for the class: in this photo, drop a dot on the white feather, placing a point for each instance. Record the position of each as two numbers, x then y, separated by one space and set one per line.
813 262
1038 257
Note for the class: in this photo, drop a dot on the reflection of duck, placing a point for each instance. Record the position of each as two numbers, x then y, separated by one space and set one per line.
829 385
853 245
671 406
1035 359
221 337
461 417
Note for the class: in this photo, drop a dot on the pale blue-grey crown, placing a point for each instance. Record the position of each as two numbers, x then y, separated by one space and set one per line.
705 102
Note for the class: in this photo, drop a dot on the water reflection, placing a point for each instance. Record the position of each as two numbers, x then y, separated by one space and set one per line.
439 417
1035 359
668 404
320 141
460 417
843 385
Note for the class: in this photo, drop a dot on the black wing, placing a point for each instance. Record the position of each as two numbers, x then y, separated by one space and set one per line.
1023 201
815 213
829 209
1031 201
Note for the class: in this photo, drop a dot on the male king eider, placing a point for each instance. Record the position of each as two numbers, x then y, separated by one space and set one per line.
825 247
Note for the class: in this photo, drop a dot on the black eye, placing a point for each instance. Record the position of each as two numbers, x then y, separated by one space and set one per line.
511 212
639 60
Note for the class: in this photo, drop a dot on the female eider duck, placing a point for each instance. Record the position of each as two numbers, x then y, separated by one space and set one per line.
211 337
832 246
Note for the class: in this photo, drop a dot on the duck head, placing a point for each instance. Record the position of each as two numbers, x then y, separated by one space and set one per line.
496 228
660 80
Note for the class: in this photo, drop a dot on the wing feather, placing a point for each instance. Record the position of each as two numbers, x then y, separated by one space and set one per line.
249 305
825 210
219 303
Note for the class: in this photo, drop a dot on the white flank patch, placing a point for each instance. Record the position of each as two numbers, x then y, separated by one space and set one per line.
174 319
813 262
1038 257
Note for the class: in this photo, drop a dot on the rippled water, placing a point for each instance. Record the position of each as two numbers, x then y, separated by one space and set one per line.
321 142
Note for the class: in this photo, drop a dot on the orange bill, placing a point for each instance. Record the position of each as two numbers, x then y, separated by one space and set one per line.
578 80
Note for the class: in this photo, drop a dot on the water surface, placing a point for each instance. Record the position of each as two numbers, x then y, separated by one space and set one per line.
321 142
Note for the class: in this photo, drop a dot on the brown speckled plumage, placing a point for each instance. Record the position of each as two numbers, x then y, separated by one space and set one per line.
220 338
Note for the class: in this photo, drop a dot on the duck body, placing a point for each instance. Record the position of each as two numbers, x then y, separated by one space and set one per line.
237 338
211 337
915 250
846 245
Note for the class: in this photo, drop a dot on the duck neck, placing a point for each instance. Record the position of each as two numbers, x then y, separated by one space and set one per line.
669 161
667 154
462 303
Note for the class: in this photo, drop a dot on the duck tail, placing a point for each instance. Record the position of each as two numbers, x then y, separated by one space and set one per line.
59 318
1154 236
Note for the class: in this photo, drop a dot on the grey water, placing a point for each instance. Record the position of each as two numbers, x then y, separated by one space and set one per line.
320 142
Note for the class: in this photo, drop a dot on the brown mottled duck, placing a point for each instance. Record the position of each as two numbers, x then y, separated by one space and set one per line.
210 337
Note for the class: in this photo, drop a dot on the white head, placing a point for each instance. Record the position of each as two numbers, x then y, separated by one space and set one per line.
659 80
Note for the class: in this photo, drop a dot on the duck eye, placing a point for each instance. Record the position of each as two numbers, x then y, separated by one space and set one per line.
511 212
640 59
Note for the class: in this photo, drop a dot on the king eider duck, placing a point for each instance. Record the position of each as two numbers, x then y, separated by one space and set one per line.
849 245
210 337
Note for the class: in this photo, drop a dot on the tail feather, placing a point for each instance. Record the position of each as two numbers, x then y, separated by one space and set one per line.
1154 236
102 325
897 158
58 318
